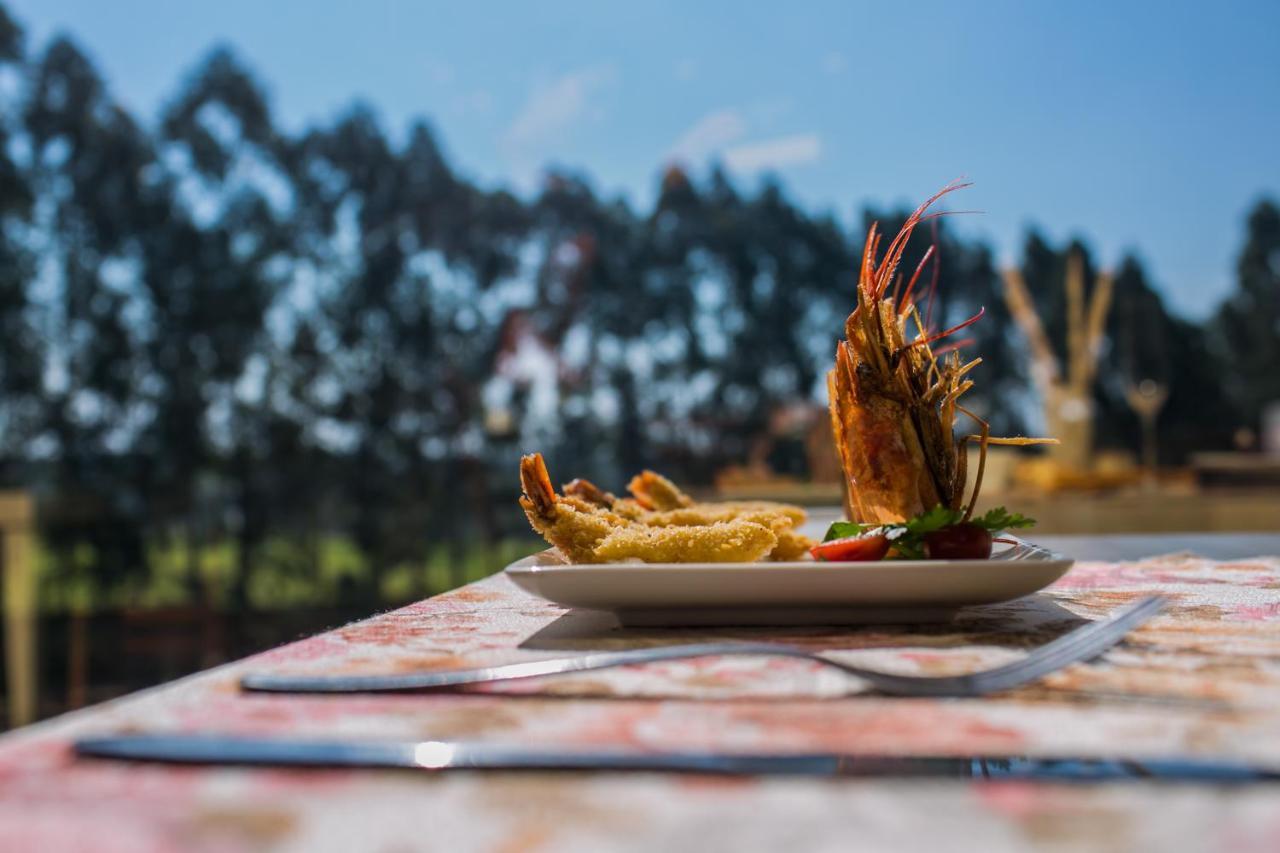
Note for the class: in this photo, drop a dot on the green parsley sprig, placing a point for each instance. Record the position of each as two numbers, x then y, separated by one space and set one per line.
907 537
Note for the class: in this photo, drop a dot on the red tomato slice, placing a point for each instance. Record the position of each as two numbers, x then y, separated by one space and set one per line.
853 549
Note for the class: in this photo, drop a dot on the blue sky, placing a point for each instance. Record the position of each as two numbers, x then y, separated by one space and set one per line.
1150 126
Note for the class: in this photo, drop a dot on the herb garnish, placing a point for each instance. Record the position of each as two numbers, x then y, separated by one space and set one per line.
908 537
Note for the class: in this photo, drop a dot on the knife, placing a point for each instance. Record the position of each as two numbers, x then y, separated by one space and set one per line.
460 755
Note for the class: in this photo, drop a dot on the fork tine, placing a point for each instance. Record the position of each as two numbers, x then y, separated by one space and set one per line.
1047 659
1134 614
1081 644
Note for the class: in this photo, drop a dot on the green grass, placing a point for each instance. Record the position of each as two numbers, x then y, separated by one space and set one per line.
287 573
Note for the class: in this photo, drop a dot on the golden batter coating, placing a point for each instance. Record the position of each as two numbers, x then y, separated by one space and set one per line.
735 541
797 514
779 517
791 546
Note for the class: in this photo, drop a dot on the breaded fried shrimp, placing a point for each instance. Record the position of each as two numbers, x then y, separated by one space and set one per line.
589 524
572 525
723 542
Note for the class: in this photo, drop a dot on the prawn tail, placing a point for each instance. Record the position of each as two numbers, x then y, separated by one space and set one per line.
536 485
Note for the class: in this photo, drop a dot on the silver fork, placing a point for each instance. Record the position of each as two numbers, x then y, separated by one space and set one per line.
1084 643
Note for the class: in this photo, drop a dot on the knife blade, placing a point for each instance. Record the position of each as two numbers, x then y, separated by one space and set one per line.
460 755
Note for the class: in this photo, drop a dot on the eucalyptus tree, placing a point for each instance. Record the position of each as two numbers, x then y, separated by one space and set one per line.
22 348
407 258
215 270
1247 326
97 186
771 278
1160 362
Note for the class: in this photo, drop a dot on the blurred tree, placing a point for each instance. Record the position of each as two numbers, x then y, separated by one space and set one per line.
1247 326
678 285
590 306
1150 344
404 282
760 252
22 349
95 174
721 272
214 267
351 185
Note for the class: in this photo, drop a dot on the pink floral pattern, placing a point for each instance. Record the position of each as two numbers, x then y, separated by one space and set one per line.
1204 678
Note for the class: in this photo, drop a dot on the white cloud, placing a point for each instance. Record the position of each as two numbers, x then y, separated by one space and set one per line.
555 106
767 112
776 153
708 136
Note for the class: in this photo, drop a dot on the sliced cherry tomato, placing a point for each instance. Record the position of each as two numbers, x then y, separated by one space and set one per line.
854 549
962 541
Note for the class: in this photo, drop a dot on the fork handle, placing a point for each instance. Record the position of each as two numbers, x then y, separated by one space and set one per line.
508 672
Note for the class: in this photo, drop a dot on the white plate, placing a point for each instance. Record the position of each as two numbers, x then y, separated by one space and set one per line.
789 593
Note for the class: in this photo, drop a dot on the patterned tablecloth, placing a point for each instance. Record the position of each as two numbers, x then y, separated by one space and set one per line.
1203 679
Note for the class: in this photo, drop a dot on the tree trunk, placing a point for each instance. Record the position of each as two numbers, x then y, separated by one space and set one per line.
77 659
194 580
247 537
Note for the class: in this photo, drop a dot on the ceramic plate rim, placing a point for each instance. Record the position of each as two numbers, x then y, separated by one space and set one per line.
540 562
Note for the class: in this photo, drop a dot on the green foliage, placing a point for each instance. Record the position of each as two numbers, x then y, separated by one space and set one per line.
291 573
843 530
998 518
908 538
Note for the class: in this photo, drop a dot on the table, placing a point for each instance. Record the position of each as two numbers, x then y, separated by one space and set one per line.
1204 679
